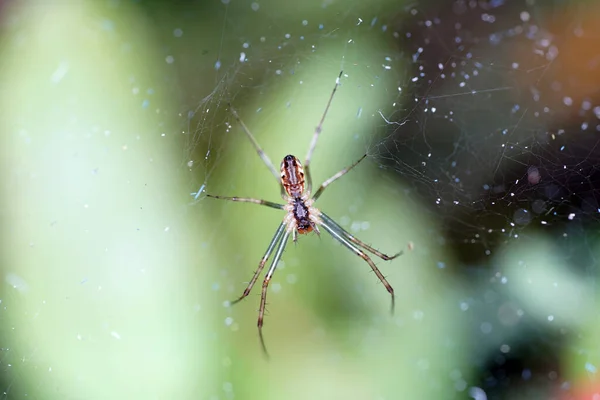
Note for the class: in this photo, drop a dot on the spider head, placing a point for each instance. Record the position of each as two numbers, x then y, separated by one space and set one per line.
292 176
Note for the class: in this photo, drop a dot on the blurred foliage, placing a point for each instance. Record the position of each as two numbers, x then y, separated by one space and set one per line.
116 281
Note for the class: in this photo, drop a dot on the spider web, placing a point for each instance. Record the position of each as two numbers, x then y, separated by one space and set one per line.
506 151
482 124
465 70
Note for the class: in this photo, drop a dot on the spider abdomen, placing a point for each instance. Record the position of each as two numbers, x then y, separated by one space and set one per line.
302 216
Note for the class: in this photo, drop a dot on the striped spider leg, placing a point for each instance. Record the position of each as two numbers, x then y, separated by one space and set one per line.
301 216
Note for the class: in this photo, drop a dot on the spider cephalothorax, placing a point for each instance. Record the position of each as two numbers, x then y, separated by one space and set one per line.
292 176
301 217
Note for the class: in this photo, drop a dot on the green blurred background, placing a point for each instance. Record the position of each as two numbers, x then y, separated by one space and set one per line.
116 279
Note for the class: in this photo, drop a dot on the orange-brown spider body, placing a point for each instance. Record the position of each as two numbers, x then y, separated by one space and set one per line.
292 176
302 217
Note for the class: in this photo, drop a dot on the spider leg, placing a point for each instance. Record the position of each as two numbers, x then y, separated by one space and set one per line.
263 296
340 237
249 200
357 242
257 147
261 265
335 177
316 229
313 142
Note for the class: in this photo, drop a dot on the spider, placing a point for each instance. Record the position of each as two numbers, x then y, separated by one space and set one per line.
301 215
